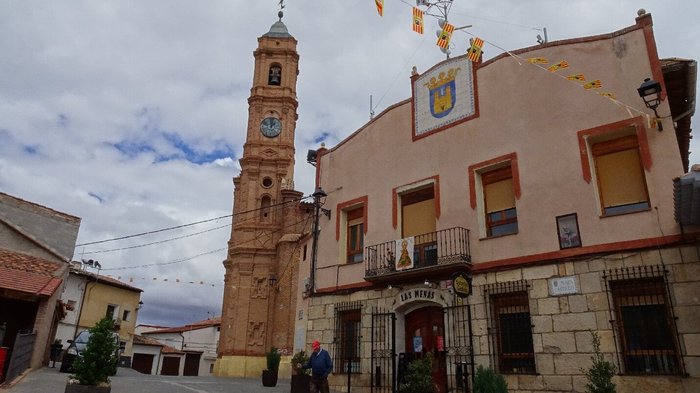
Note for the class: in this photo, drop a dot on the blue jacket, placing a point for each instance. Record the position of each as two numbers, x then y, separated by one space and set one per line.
320 364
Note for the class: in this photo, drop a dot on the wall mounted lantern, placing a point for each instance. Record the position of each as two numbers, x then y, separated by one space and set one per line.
650 91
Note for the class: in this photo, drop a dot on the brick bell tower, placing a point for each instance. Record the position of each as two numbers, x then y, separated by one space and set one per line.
262 262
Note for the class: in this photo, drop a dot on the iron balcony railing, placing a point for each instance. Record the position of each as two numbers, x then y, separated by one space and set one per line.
445 247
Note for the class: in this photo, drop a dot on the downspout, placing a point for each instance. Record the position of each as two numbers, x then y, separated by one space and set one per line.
82 303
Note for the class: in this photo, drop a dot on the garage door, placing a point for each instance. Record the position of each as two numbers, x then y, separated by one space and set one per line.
171 366
192 364
142 363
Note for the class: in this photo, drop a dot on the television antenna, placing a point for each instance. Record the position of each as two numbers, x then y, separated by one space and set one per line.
440 9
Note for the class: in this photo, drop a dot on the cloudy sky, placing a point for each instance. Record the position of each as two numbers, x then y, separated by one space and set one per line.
132 114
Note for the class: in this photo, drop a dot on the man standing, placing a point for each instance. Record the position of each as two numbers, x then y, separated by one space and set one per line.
321 365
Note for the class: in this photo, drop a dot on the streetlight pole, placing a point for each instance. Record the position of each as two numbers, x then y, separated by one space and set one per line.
318 195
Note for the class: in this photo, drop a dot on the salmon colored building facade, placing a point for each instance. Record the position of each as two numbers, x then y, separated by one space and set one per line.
504 213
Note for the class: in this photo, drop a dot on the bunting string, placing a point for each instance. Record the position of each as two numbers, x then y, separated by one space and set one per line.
475 51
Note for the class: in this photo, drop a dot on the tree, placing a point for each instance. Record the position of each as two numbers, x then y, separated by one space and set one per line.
601 372
99 359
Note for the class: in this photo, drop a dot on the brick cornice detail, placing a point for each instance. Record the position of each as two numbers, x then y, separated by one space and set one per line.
544 258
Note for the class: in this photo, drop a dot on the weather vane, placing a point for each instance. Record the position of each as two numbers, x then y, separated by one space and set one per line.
280 13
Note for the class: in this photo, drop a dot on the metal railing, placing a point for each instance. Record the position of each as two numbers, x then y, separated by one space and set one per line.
444 247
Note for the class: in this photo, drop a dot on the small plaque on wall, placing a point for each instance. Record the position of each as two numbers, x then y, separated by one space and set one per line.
563 286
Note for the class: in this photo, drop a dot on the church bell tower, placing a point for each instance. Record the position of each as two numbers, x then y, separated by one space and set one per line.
260 280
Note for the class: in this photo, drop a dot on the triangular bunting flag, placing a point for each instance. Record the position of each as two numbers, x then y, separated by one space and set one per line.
445 36
576 77
596 84
475 51
609 95
538 60
417 20
559 66
380 6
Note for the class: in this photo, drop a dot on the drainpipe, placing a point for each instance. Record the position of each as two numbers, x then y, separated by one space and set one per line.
82 303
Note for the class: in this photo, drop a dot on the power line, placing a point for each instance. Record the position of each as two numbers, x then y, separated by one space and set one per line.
189 224
158 242
181 260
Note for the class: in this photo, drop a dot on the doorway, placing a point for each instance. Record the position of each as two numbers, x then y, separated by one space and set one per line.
425 333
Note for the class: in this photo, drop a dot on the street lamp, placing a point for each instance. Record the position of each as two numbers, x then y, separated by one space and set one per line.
650 91
319 199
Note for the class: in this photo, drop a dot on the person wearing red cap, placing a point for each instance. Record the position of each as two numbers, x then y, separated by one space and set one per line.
321 365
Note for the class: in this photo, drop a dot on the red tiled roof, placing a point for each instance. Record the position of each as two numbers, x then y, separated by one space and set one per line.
216 321
35 284
141 340
28 274
28 263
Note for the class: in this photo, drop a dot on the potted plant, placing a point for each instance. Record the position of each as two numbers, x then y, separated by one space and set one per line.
600 374
97 362
269 376
488 381
418 378
301 377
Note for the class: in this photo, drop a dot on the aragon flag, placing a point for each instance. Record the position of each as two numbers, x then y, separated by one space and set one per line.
380 6
445 36
559 66
576 77
475 51
538 60
596 84
417 20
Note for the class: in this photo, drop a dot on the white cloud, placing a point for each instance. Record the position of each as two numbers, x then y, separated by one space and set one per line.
76 75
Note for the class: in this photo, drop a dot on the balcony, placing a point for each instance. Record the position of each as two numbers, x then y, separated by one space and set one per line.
435 255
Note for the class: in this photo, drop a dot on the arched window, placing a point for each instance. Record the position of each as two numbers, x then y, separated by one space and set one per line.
275 76
265 203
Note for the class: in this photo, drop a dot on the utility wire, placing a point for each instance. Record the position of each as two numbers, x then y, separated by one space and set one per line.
154 243
204 253
189 224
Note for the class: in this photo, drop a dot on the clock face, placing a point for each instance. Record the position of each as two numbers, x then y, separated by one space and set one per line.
271 127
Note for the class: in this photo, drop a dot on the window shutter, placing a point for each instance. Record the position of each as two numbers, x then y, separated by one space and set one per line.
418 218
621 178
499 195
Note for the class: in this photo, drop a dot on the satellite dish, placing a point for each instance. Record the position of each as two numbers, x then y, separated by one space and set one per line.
438 32
441 23
445 51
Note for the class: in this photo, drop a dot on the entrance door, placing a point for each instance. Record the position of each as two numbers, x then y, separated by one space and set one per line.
425 333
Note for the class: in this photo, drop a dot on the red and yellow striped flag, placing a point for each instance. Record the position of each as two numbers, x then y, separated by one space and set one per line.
445 35
380 6
596 84
538 60
576 77
475 51
559 66
417 20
